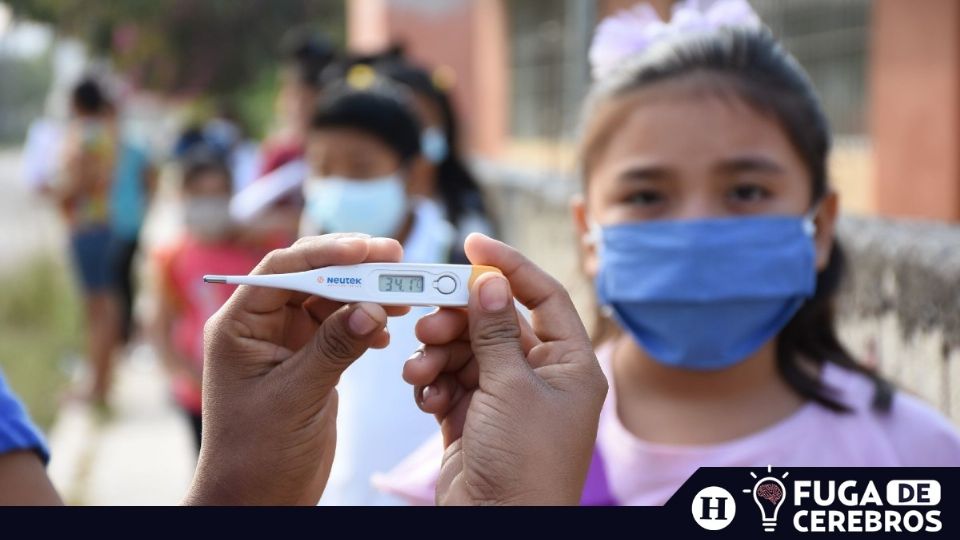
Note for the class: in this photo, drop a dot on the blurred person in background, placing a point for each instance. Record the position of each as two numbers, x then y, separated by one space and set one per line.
716 261
227 133
363 141
222 133
134 183
209 244
448 179
45 138
271 205
82 190
305 55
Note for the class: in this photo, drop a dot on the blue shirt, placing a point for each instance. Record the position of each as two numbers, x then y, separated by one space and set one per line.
17 432
128 195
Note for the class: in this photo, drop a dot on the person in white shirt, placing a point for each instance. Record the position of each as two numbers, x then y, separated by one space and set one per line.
363 141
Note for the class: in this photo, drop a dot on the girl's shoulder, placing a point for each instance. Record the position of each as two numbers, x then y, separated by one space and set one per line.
918 433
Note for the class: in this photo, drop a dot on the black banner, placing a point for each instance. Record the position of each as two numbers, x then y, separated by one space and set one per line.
743 503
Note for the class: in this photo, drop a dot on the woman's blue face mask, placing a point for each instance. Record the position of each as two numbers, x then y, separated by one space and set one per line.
706 294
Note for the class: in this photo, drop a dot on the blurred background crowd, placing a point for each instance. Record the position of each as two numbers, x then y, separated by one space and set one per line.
144 144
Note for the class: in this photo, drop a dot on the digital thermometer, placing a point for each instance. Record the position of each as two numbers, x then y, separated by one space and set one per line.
390 284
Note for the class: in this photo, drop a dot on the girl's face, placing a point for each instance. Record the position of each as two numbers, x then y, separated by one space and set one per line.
206 203
350 153
209 184
357 155
671 153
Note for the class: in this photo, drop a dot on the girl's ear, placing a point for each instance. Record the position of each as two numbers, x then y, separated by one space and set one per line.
826 222
589 261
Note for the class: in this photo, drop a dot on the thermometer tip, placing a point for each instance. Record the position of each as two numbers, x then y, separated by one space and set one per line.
214 279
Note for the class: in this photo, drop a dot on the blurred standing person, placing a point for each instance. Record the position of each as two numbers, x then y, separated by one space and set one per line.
134 181
363 141
447 177
83 193
209 244
305 56
270 206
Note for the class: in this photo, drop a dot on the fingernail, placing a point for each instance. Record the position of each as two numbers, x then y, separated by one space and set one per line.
361 323
427 392
417 354
494 293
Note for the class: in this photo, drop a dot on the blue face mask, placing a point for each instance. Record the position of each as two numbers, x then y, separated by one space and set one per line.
433 145
375 207
706 294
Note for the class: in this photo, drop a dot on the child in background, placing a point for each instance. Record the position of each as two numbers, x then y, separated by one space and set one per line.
362 142
708 225
208 245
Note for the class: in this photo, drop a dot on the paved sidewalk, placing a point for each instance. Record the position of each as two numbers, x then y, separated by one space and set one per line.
141 455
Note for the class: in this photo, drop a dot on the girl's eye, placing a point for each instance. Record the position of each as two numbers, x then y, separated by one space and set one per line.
749 193
646 198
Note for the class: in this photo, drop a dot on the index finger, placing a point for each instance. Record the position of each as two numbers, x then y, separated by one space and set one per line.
308 254
539 291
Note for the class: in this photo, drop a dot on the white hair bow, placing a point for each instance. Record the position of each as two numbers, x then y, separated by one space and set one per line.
633 30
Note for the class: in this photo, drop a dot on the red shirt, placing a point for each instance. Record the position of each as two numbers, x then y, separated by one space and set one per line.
279 152
182 267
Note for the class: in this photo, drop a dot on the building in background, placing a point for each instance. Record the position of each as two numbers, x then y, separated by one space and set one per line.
887 70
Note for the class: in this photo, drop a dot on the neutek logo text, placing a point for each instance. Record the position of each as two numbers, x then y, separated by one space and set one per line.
343 281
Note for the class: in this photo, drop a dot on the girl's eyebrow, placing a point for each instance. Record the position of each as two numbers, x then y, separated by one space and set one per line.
749 164
641 172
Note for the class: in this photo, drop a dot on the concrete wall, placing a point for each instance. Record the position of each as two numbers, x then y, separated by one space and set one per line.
900 305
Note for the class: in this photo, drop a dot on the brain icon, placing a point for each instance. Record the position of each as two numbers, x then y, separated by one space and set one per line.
770 492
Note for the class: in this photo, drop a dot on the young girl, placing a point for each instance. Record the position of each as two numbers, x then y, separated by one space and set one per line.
363 140
708 226
208 245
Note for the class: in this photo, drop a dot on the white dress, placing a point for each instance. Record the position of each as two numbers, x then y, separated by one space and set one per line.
378 423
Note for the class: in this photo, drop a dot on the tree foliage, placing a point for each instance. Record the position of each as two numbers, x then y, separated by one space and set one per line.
187 46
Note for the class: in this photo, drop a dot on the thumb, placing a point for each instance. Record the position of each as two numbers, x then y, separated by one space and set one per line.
495 330
342 338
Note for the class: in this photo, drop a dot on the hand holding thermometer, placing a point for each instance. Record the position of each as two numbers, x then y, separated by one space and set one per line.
389 284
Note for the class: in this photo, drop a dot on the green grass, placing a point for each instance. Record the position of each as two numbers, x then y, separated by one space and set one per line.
40 325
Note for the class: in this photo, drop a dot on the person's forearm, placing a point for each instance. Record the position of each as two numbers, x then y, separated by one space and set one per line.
25 482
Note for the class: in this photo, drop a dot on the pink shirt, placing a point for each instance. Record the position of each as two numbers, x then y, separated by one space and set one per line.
643 473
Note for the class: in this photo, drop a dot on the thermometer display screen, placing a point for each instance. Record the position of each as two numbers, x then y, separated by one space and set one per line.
409 284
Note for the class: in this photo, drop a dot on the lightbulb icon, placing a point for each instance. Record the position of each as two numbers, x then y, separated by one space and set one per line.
769 493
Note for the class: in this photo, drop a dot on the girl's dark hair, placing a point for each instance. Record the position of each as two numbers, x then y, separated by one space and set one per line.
308 53
381 109
458 188
89 98
756 69
201 160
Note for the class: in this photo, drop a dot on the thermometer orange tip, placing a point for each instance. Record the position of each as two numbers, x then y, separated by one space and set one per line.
478 270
